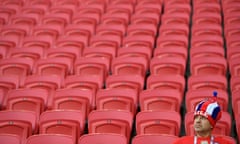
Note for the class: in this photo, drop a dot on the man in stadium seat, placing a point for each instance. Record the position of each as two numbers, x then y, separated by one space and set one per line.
206 114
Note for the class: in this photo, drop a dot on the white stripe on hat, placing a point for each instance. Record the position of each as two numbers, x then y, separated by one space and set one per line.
211 107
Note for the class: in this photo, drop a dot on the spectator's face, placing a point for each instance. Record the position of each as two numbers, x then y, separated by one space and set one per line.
201 124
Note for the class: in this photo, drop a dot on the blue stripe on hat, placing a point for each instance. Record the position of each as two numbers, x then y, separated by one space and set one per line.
215 112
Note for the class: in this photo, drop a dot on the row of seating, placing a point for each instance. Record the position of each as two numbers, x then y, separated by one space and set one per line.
148 90
231 33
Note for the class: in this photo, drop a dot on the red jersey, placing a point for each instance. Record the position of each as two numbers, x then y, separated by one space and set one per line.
190 140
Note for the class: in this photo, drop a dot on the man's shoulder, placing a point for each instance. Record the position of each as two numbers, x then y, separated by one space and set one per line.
225 140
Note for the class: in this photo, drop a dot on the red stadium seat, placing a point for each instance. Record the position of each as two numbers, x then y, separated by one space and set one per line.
214 82
135 82
207 40
179 29
73 99
10 139
207 51
167 65
207 29
95 138
172 40
160 82
19 123
56 66
29 53
34 100
135 51
160 100
49 138
64 122
171 51
129 66
154 139
208 66
117 99
158 122
110 121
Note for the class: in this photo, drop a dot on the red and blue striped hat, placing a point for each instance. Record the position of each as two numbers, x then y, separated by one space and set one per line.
210 109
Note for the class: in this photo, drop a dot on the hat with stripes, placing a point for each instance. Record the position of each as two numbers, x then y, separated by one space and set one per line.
210 109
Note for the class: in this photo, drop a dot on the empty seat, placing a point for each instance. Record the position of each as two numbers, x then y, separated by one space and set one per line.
73 99
29 19
113 29
160 100
95 66
206 29
95 138
117 16
179 29
135 51
177 7
65 122
231 30
139 40
232 41
48 83
233 52
207 40
85 82
193 97
234 83
37 41
102 52
172 40
10 139
222 127
160 82
69 41
71 53
154 139
207 51
110 121
158 122
145 17
117 99
171 51
207 18
213 7
34 100
29 53
19 123
49 138
19 67
207 82
49 31
56 66
107 40
135 82
81 29
7 83
8 42
129 66
167 65
208 66
234 66
60 19
175 18
17 31
142 29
